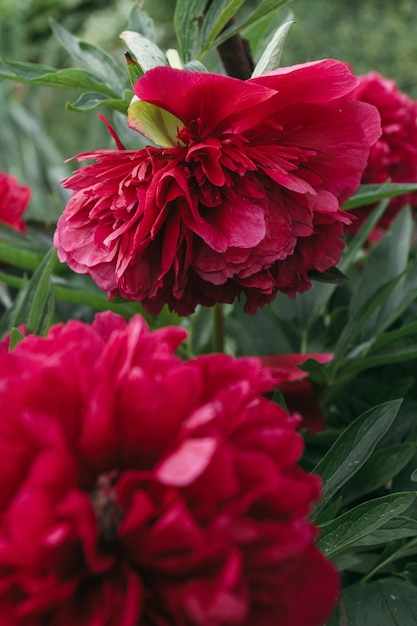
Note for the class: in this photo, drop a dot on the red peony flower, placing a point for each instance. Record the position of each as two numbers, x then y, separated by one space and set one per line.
394 156
14 199
137 489
298 392
242 196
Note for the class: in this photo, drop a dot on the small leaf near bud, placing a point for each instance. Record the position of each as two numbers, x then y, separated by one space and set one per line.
134 68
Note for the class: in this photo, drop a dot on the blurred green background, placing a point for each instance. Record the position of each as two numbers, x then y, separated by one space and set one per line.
38 134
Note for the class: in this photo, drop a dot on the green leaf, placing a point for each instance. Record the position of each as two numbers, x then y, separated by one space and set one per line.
140 22
330 513
16 335
387 260
74 78
389 347
403 294
352 448
146 52
319 372
263 333
134 68
37 307
397 528
88 295
356 243
344 531
386 289
33 305
94 58
195 66
265 8
23 241
356 322
11 317
92 100
174 59
388 602
216 18
378 470
331 275
272 54
155 123
368 194
278 398
19 257
43 316
187 19
200 330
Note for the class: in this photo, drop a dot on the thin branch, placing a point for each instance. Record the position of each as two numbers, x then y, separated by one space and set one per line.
236 56
235 53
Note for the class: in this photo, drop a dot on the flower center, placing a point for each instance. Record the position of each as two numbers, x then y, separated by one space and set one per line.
108 513
216 162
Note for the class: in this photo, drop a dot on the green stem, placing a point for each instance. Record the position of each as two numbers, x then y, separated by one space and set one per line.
218 328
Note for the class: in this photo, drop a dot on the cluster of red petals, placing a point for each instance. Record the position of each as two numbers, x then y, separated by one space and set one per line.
298 392
394 156
138 489
14 199
246 200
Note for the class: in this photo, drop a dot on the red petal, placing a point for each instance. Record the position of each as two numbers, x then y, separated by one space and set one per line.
317 81
196 95
187 462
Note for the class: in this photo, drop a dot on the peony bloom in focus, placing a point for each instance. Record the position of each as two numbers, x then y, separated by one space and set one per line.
394 156
242 195
137 489
14 199
298 392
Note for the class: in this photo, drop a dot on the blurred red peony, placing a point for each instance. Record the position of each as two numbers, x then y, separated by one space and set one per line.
139 489
242 196
394 156
14 199
298 392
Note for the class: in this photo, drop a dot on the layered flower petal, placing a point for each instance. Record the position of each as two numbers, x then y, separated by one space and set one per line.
136 488
242 197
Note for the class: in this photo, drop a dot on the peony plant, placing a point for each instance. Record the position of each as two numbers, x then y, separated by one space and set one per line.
207 407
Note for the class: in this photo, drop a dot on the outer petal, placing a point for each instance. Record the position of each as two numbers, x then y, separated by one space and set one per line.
209 98
317 81
338 163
